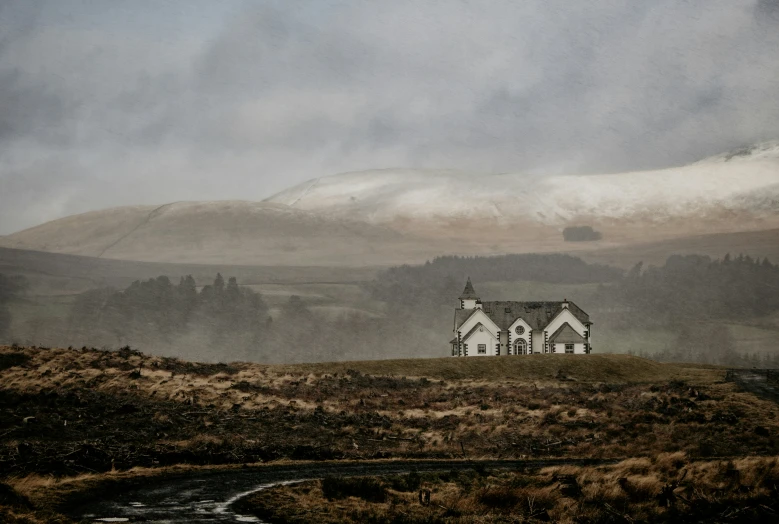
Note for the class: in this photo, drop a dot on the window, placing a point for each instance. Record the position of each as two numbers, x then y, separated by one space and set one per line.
520 330
569 348
520 347
482 349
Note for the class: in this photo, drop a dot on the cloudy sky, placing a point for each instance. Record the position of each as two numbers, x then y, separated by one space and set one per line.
106 103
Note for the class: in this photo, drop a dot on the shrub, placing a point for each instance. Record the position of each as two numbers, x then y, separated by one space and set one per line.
409 482
366 488
9 360
499 497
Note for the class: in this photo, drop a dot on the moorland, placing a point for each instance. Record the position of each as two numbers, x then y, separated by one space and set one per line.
74 417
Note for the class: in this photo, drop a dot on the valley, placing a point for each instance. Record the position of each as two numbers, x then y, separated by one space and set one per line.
56 283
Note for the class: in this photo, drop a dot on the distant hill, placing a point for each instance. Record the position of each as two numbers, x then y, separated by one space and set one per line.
392 216
730 192
227 232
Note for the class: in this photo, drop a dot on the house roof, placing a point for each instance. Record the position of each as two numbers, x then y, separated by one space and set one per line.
453 341
471 332
566 334
468 293
461 315
536 314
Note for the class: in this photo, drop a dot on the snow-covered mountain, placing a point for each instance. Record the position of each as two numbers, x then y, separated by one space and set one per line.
402 215
742 183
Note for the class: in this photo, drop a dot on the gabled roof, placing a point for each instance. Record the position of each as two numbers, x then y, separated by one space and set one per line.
566 334
453 341
468 293
536 314
473 330
461 315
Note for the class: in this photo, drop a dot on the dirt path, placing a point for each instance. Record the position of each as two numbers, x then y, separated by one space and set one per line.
208 497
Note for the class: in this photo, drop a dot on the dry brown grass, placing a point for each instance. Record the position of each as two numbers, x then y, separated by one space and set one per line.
539 406
625 492
215 408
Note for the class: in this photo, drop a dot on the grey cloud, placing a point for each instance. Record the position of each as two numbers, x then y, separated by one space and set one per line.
767 8
104 116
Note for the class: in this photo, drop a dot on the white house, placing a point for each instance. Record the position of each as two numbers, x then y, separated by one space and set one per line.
518 328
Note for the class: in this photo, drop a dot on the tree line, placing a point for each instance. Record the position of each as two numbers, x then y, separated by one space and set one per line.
157 311
441 280
692 296
695 287
220 321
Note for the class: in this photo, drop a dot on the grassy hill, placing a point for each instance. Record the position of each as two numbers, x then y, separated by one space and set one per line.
223 232
523 369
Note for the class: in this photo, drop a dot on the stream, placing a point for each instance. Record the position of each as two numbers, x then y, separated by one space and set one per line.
208 496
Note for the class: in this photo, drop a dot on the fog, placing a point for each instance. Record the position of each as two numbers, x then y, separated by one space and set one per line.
136 102
692 308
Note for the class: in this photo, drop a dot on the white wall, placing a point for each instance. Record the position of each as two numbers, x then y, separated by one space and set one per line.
563 317
578 349
481 337
477 317
526 335
538 341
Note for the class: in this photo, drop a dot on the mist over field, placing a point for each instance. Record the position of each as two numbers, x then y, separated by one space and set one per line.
691 308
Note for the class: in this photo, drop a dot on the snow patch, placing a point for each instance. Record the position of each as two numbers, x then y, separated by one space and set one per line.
387 195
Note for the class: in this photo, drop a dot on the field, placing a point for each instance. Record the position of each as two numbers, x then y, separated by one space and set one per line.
757 244
668 488
70 412
40 317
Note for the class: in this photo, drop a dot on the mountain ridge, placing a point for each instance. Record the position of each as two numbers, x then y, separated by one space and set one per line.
386 216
